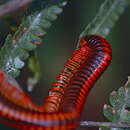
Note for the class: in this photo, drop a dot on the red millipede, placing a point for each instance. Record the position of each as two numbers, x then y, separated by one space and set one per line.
63 106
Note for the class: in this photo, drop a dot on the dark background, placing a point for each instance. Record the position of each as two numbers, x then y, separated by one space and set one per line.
61 41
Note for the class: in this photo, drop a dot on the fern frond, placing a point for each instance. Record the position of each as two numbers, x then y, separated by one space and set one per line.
105 19
120 102
30 32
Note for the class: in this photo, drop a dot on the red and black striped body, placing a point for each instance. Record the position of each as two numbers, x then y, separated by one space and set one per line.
63 106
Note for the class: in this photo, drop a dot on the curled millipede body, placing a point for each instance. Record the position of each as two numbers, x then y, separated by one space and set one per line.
63 106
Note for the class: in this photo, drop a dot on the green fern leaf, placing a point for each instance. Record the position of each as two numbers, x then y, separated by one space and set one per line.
30 32
105 19
120 102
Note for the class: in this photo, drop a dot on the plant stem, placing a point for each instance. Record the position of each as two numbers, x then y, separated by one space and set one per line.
12 5
104 124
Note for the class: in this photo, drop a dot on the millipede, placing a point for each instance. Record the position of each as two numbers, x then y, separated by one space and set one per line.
63 106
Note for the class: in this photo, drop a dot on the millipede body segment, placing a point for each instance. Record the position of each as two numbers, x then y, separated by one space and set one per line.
63 106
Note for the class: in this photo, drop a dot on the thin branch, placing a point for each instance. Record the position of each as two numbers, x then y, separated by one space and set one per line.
104 124
12 5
